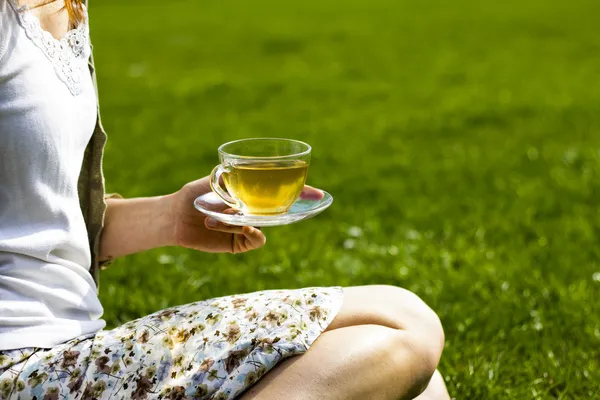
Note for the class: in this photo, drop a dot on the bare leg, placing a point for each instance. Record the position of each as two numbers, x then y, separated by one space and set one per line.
385 343
436 390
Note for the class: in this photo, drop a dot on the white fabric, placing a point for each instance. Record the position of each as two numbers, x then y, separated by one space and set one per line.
47 116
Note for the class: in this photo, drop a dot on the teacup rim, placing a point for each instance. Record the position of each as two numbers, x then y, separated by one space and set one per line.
237 156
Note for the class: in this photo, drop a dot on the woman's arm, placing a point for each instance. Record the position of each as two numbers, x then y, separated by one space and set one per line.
134 225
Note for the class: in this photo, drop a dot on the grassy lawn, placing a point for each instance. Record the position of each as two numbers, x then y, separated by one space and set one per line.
460 140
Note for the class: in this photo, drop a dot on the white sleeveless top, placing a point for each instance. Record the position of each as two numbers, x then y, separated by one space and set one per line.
47 116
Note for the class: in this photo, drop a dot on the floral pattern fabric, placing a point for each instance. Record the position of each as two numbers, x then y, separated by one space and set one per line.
212 349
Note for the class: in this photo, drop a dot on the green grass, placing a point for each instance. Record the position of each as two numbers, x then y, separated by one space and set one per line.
462 138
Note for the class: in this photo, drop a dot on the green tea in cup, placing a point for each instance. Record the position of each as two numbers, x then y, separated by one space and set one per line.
262 176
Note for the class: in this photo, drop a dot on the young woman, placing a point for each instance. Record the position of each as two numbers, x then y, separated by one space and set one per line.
57 228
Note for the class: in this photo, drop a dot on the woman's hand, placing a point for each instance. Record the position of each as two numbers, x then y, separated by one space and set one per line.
196 231
139 224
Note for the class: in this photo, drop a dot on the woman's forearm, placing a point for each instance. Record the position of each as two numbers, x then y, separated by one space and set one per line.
139 224
134 225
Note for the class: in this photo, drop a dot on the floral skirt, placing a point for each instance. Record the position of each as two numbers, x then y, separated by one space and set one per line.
213 349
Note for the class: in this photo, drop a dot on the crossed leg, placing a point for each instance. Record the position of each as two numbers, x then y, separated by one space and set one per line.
384 344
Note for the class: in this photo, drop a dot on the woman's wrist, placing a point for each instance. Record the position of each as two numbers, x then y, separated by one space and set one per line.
166 219
133 225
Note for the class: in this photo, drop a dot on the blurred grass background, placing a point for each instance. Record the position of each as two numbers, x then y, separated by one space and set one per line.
459 139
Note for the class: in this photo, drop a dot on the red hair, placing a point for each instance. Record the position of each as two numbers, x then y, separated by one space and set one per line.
73 7
75 10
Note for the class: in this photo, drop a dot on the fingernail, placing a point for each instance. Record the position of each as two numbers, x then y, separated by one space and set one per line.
211 223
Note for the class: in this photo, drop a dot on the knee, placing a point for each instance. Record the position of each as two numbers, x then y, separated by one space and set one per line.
411 350
422 325
408 358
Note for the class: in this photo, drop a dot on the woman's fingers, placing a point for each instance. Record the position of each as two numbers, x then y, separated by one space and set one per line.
254 238
215 225
246 237
311 193
251 239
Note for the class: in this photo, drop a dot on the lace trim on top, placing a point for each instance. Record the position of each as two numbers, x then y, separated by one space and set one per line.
69 55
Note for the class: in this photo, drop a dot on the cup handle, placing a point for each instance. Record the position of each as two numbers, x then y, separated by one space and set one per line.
215 177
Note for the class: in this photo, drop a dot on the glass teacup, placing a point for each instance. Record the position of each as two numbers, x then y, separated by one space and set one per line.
262 176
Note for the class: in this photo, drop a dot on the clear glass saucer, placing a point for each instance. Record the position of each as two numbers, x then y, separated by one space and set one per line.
212 205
